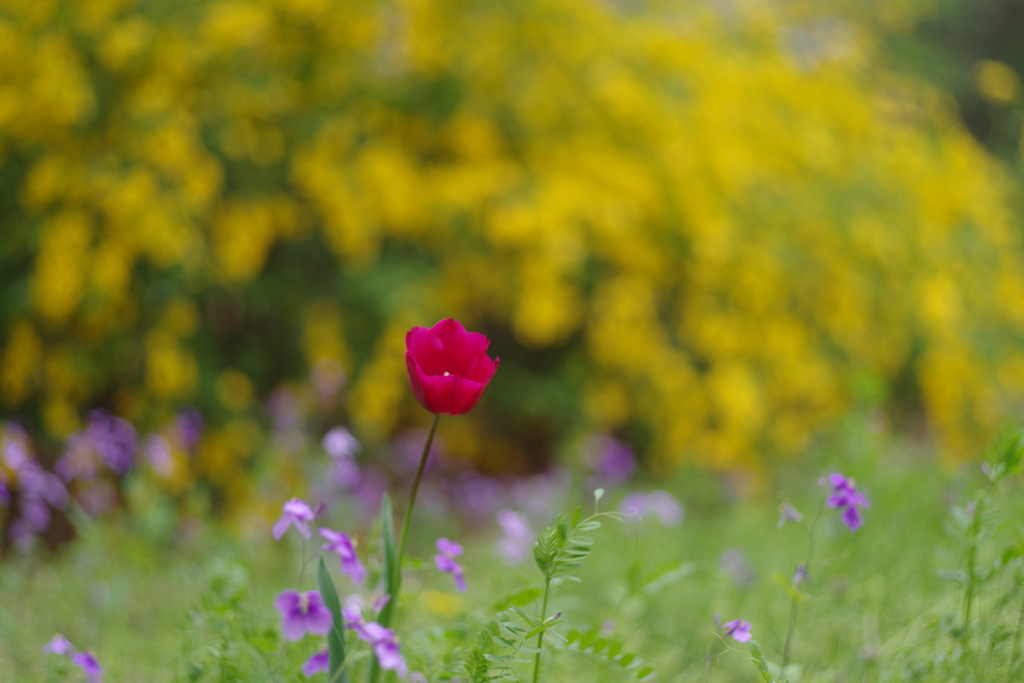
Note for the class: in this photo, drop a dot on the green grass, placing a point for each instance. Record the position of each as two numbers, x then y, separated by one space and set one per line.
880 610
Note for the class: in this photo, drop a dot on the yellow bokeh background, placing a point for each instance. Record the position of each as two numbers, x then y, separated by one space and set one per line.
722 219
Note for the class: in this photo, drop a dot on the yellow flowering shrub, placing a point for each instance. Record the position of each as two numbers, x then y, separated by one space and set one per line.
693 225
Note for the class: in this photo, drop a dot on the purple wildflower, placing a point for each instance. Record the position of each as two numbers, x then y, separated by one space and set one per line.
384 645
800 575
189 427
114 439
517 540
79 461
339 443
296 513
321 661
477 495
59 645
445 561
738 629
87 662
302 613
36 514
5 495
612 460
14 446
157 450
661 504
341 544
844 495
38 483
345 473
788 513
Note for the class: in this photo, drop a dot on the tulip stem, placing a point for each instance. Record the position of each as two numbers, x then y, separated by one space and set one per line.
412 499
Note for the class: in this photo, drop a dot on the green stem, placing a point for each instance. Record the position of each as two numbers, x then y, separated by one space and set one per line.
972 557
1016 644
540 636
794 608
396 572
412 502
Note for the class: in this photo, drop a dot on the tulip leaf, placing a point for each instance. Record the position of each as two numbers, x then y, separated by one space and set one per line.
336 638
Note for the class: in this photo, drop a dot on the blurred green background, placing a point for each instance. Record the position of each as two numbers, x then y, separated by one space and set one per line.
708 228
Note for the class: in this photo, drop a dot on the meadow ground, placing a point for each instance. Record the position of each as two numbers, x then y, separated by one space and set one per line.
885 602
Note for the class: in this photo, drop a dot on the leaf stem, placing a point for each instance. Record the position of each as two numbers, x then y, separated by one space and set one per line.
540 636
1016 644
794 608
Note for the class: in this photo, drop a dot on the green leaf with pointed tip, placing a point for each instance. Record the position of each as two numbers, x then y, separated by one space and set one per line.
392 573
336 638
757 656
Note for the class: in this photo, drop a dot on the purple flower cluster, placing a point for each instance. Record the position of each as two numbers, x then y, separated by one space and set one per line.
844 496
114 439
446 562
39 490
86 661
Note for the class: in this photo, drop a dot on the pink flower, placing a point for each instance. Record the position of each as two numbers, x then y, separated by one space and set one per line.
445 561
296 513
448 367
59 645
341 544
321 661
86 661
302 613
385 646
738 629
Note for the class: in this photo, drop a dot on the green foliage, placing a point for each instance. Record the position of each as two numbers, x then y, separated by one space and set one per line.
609 650
336 638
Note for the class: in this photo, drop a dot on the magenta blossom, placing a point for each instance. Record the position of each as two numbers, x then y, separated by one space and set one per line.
448 367
302 613
445 561
845 496
341 544
738 629
86 661
296 513
321 661
59 645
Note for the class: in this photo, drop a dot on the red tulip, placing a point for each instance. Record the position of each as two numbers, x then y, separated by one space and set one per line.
448 367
